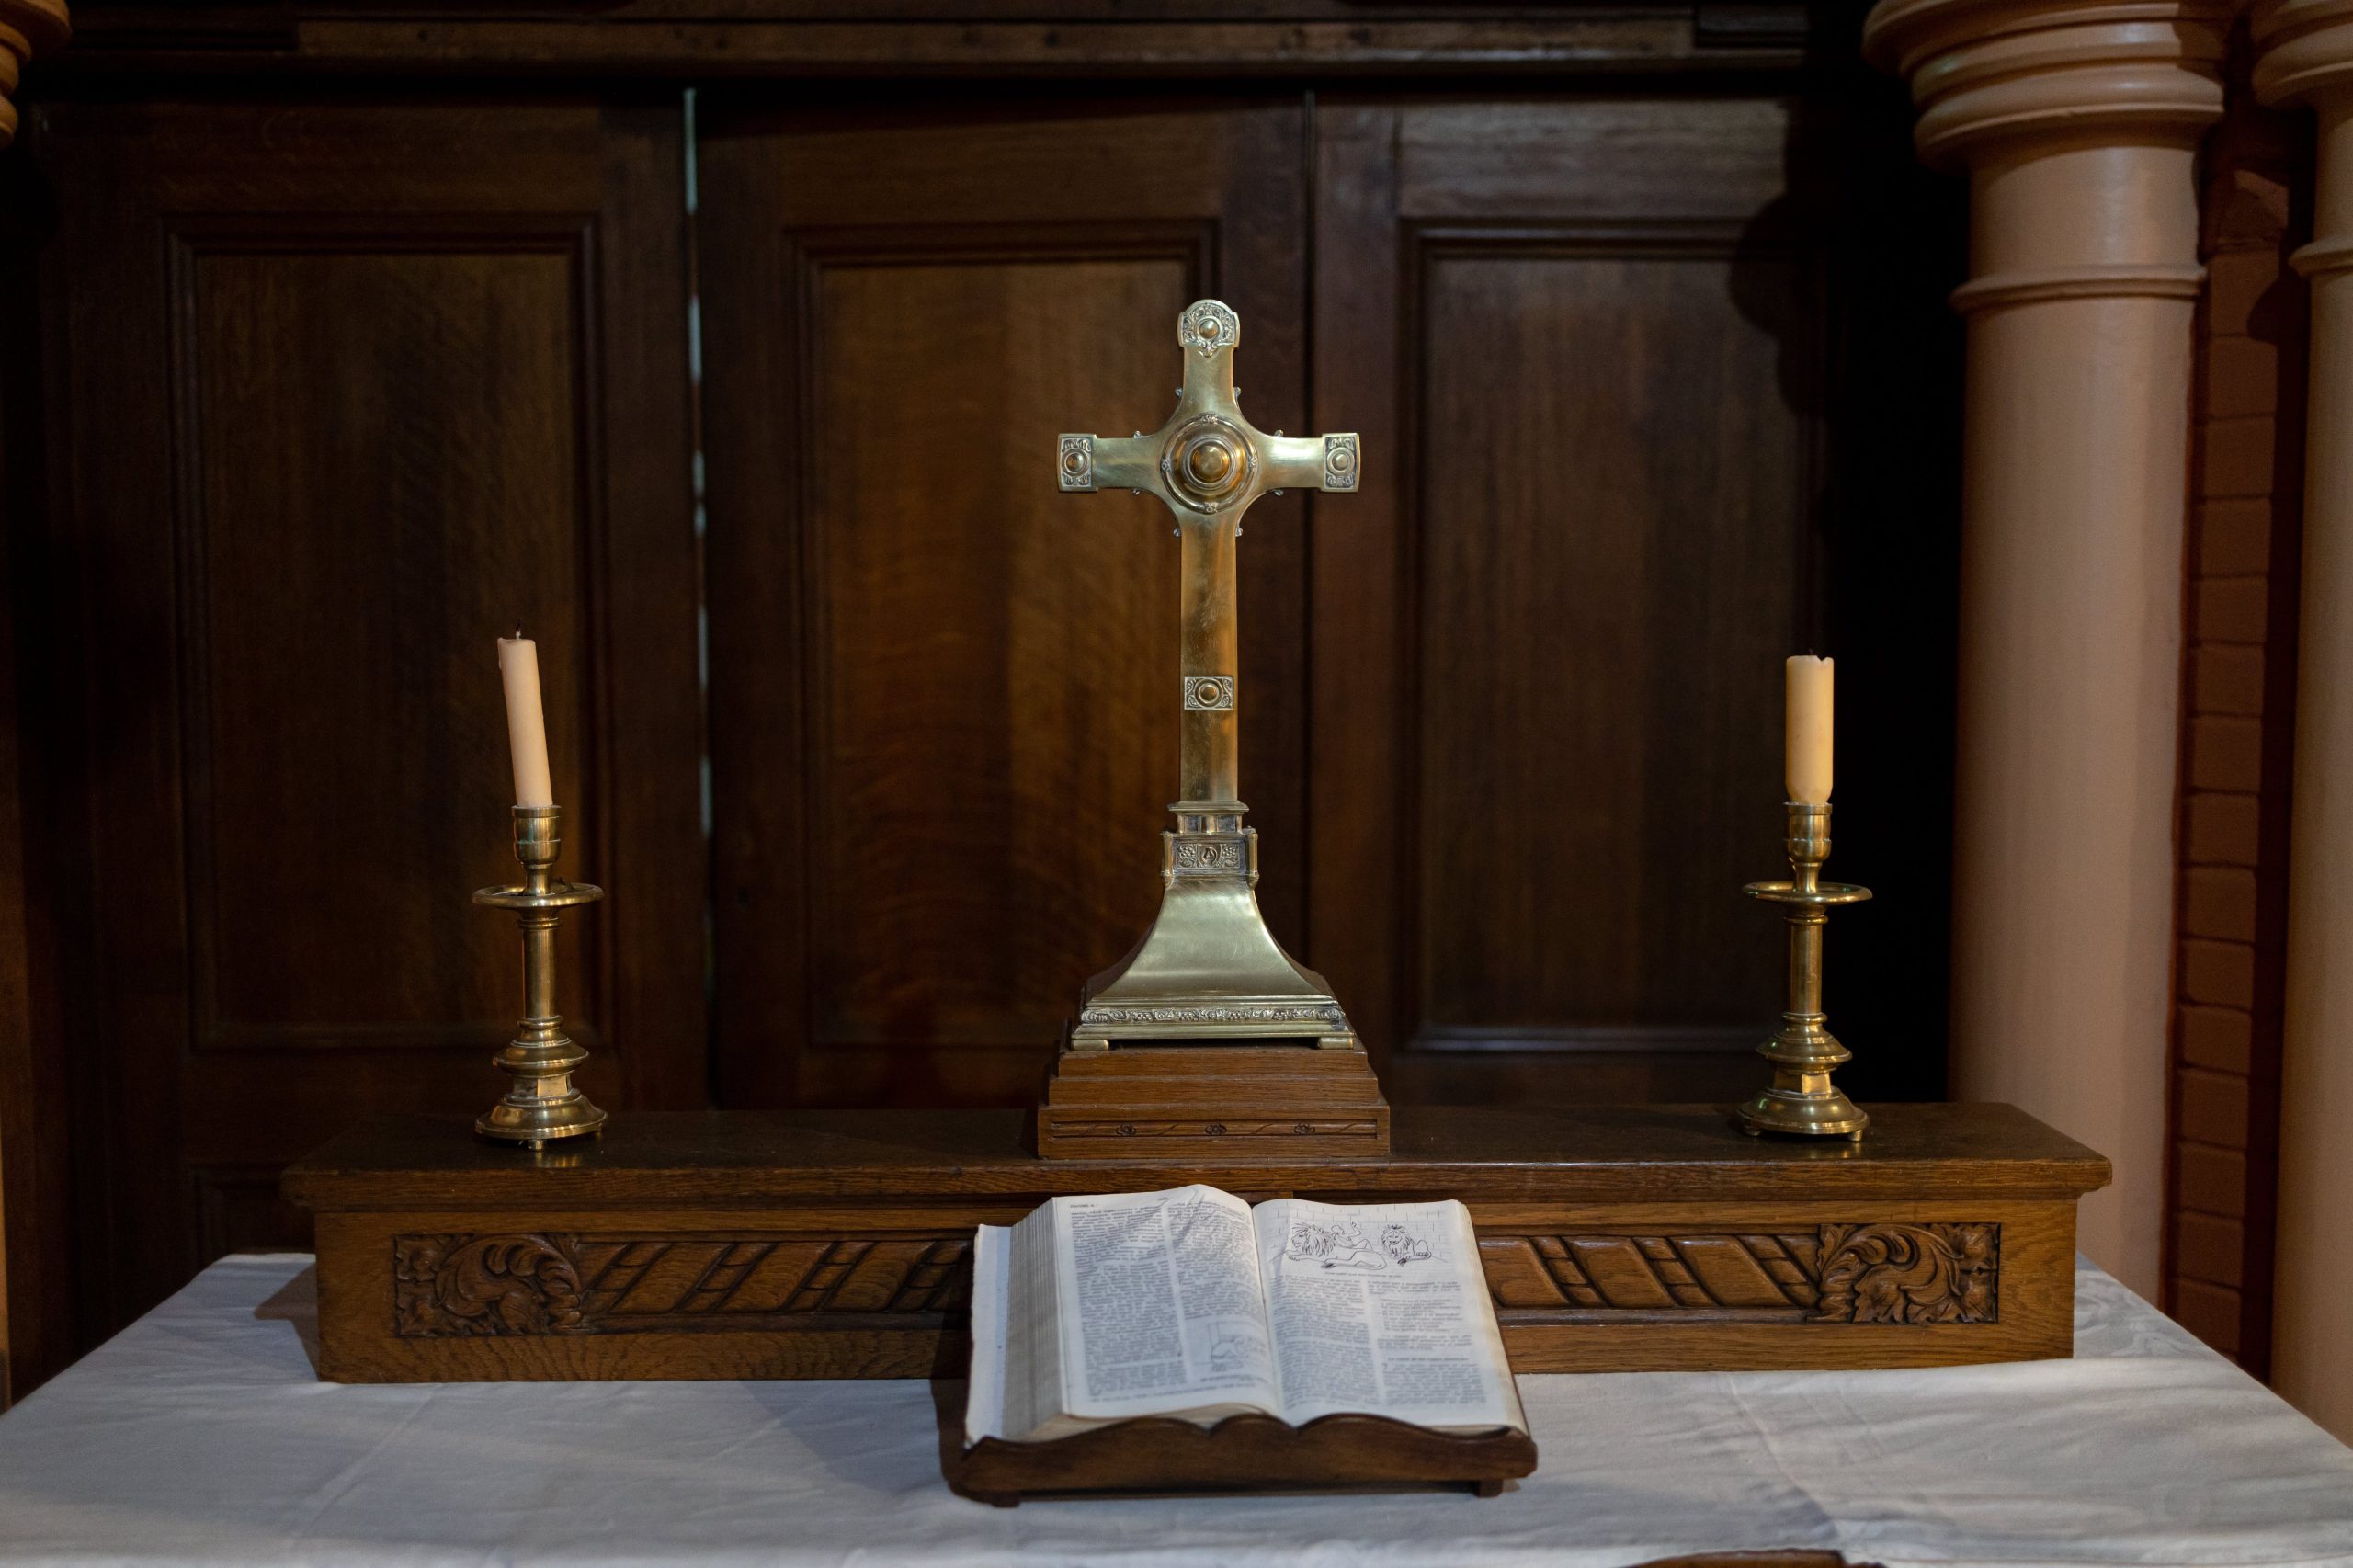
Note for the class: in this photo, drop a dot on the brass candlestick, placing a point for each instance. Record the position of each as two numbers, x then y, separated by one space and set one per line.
1802 1099
541 1105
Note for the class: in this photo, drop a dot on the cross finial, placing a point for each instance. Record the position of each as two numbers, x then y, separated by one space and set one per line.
1207 462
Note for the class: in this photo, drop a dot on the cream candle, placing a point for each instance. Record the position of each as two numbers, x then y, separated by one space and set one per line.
526 727
1806 756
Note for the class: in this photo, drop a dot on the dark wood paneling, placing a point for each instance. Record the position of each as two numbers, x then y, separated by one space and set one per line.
17 1093
342 399
41 814
941 744
380 429
1610 507
1587 547
1012 756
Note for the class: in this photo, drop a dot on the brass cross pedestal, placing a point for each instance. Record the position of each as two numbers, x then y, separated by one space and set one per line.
1249 1045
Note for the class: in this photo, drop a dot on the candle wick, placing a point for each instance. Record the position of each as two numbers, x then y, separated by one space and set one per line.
518 631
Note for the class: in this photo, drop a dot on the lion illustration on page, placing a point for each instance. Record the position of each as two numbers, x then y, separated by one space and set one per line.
1340 1245
1402 1245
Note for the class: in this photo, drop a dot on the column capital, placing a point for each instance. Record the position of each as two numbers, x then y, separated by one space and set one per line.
27 27
1988 74
2304 55
2303 49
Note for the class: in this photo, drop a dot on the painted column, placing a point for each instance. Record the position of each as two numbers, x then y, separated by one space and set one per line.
2078 127
2307 58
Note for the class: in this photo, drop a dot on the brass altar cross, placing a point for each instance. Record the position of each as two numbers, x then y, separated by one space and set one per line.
1208 969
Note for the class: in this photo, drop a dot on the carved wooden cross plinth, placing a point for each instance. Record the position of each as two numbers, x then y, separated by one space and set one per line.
1209 973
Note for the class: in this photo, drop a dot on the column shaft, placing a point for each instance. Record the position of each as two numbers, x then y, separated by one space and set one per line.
2308 55
2078 128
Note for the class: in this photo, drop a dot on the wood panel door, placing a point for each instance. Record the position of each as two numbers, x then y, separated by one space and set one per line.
942 693
341 393
1581 337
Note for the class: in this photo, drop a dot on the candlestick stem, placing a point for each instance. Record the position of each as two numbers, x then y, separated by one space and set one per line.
1802 1099
542 1103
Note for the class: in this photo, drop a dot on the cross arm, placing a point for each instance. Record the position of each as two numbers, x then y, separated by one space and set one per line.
1309 462
1109 462
1299 463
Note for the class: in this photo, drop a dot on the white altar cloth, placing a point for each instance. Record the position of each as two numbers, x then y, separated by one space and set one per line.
201 1436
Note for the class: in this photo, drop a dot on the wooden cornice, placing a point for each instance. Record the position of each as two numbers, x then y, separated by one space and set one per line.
719 39
27 27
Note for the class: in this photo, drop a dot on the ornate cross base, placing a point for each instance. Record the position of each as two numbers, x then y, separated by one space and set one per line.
837 1244
1222 1039
1209 971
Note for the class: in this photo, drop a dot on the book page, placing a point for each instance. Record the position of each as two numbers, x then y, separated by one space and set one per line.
1160 1305
1383 1308
992 1315
1033 1362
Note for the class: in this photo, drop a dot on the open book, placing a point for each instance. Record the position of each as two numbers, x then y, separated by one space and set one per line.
1190 1303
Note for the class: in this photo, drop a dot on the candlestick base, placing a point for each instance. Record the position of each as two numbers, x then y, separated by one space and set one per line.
541 1105
1810 1108
1801 1101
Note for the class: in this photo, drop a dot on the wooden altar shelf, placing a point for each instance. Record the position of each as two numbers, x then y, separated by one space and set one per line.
837 1244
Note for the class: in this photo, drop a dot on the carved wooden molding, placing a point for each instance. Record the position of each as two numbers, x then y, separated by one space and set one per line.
1846 1272
449 1287
780 37
27 27
541 1283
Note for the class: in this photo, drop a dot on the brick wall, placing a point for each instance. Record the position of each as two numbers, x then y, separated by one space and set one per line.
2239 698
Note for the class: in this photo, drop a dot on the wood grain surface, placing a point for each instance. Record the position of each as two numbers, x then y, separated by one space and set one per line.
1207 1102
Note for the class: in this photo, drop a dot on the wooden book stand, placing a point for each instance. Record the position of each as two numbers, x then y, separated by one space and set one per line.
1158 1454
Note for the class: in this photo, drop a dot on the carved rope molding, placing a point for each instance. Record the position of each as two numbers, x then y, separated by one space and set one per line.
542 1283
27 27
1846 1272
447 1287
